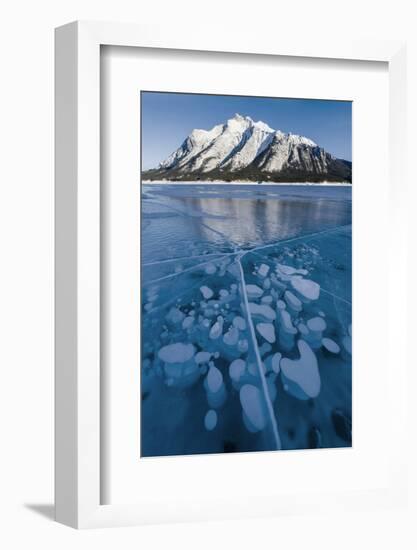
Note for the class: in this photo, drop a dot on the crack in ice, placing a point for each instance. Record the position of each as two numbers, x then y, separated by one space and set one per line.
258 359
192 268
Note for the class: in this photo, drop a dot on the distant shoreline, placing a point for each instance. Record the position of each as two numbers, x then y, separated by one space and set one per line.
249 183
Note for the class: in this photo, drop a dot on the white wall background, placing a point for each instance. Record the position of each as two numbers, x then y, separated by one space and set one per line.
26 271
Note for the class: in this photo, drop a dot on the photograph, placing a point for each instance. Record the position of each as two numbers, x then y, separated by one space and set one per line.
245 273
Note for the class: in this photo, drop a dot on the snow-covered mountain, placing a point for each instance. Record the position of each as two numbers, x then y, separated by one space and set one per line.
244 149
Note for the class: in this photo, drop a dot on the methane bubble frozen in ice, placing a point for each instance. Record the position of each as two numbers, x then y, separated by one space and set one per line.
302 329
239 322
210 420
315 326
176 353
266 285
330 345
206 292
254 292
231 337
214 379
265 348
215 389
263 270
175 316
188 322
267 331
217 329
179 364
202 357
242 345
302 375
262 311
288 270
292 301
237 369
272 363
210 269
307 289
276 359
253 407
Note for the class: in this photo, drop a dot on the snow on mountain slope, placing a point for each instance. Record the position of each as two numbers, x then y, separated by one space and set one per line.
258 139
194 144
250 149
235 132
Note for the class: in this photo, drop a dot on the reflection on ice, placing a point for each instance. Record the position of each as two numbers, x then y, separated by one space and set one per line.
242 351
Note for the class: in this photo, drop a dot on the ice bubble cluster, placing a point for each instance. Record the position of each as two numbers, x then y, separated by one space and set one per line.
252 331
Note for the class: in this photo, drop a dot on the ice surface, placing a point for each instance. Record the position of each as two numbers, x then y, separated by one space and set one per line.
278 238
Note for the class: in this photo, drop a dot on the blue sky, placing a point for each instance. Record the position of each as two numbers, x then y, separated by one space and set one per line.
168 118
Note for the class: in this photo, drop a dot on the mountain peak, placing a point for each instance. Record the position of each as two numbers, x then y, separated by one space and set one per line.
242 146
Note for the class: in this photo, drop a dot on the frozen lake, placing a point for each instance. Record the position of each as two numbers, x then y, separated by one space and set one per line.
246 318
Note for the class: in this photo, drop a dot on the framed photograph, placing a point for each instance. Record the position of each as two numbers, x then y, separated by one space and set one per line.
228 322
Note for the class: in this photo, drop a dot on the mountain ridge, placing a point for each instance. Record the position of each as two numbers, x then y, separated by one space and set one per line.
242 149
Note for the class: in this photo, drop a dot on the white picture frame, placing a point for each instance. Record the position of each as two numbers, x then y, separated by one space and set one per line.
78 265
